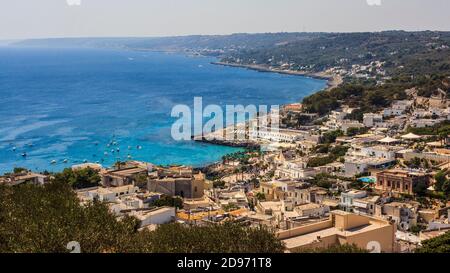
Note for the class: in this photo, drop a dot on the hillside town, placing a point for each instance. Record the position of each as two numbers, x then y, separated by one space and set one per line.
381 184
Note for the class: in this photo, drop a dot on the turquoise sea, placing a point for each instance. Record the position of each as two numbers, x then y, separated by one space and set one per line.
103 105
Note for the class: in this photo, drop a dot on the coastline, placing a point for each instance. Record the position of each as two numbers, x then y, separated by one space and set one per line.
332 80
218 143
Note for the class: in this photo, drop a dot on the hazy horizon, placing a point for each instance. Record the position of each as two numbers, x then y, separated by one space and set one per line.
187 35
167 18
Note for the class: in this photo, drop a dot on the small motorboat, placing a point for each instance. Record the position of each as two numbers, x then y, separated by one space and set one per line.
53 162
65 160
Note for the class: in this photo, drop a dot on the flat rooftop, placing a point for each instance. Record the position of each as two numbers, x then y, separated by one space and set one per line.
127 172
312 237
402 173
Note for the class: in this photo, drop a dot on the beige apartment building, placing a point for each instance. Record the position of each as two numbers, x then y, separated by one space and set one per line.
400 181
340 229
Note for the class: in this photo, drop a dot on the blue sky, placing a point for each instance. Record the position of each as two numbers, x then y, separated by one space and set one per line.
55 18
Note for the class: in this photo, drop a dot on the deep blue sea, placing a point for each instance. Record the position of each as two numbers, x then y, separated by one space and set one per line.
85 104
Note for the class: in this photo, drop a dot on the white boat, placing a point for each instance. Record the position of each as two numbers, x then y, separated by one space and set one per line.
53 162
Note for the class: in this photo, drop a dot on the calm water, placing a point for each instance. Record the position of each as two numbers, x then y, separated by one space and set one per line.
71 104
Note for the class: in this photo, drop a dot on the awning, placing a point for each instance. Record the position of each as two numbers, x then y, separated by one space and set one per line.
411 136
388 140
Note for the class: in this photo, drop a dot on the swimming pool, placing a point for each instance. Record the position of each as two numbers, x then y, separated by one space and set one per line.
368 179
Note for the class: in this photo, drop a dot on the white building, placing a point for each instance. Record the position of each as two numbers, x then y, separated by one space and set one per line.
157 216
347 124
335 119
296 169
312 210
422 123
278 135
381 151
348 198
358 165
299 196
372 119
398 108
106 194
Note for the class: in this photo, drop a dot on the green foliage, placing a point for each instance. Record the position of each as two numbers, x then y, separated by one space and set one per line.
336 249
439 244
43 219
230 207
416 229
243 156
367 98
260 196
78 179
219 184
404 53
330 137
339 150
322 180
416 163
441 180
420 188
356 184
320 103
213 238
320 161
356 131
19 170
333 154
168 201
322 148
141 180
441 129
